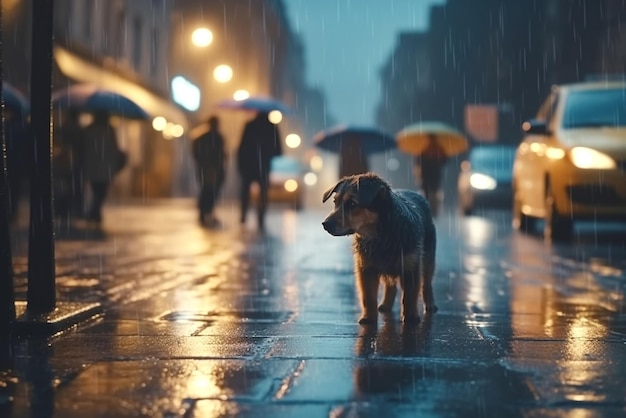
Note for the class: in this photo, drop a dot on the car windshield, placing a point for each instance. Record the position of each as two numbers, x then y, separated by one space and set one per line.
595 108
492 158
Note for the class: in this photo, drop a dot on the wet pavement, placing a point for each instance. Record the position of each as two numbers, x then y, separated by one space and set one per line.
230 322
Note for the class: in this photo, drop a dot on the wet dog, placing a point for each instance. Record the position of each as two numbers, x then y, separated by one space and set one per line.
394 242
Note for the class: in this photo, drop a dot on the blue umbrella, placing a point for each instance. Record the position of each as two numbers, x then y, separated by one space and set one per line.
91 98
15 99
372 140
255 103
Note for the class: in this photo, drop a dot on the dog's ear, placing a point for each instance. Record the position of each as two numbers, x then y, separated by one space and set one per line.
369 191
332 190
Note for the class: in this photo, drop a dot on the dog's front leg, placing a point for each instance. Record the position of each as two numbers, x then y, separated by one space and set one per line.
410 294
389 296
367 280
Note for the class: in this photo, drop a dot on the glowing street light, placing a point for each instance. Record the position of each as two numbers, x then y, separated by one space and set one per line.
202 37
223 73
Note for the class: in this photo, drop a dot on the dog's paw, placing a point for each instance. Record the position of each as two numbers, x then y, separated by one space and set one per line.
368 320
431 309
411 319
385 309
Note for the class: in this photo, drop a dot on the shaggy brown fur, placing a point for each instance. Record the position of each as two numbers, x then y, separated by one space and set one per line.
394 242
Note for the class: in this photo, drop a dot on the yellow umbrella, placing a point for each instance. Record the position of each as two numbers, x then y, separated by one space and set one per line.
414 139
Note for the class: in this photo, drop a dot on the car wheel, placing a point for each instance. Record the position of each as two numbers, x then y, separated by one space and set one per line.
521 221
556 226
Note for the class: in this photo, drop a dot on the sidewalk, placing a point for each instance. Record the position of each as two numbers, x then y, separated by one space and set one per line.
231 322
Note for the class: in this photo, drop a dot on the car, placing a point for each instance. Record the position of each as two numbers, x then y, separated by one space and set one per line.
485 178
286 182
571 163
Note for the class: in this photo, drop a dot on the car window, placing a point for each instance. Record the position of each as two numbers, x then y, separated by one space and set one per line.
595 108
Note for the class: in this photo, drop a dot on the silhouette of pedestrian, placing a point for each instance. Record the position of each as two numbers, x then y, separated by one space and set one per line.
260 142
209 155
102 159
352 158
431 163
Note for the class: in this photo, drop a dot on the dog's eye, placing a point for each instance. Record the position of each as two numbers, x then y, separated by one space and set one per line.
350 204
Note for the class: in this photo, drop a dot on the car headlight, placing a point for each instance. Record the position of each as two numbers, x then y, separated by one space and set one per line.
482 182
587 158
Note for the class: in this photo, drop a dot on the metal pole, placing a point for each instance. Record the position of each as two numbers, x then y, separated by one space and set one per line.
41 295
7 296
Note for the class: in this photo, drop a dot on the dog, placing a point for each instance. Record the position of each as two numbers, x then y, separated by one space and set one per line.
394 242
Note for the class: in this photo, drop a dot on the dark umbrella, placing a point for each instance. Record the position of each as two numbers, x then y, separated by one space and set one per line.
91 98
15 99
370 139
255 103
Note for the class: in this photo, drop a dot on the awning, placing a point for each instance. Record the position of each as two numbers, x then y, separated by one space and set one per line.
81 70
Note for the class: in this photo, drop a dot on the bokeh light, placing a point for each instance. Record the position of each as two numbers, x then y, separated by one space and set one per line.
293 140
241 94
275 117
202 37
223 73
159 123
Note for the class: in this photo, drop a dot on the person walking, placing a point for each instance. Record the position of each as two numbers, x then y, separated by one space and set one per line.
431 163
352 158
102 159
260 142
209 155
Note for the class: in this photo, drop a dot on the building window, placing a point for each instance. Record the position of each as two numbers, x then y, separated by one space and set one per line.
137 43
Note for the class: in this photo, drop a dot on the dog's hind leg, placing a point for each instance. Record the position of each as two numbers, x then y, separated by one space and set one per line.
427 284
389 296
410 294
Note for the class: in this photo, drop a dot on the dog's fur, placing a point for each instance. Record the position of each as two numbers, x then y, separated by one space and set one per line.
394 241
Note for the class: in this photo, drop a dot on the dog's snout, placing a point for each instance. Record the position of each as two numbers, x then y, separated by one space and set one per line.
329 225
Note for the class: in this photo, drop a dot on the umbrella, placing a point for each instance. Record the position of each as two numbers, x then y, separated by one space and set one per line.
91 98
256 103
413 139
372 140
14 98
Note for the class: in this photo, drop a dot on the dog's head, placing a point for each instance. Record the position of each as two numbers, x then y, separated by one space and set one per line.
358 200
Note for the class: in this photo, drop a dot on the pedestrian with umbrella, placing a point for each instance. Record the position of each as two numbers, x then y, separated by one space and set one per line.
260 142
431 144
353 144
209 155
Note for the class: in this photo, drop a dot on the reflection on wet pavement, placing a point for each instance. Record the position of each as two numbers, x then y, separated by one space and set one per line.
229 322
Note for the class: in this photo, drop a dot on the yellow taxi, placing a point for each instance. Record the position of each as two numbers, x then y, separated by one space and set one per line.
571 163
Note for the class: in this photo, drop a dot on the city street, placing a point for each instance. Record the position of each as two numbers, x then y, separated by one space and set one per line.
231 322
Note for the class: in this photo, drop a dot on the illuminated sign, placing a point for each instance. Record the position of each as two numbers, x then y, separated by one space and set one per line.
185 93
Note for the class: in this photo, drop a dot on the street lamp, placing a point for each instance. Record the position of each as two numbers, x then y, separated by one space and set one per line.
202 37
223 73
